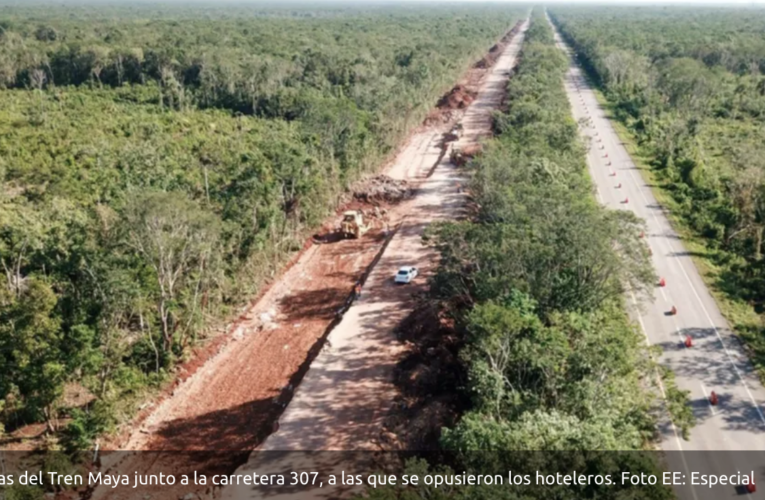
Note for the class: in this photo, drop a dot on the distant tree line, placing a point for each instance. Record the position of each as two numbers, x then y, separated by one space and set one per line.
260 65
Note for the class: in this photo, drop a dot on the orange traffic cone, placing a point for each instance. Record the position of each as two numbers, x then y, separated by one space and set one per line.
688 341
662 282
751 487
713 399
606 155
612 174
673 311
626 200
609 163
619 186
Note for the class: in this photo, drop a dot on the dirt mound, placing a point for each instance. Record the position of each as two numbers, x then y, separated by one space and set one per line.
459 97
510 34
382 188
484 63
453 135
494 52
489 59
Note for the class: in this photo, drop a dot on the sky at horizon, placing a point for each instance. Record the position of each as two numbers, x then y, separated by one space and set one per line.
726 3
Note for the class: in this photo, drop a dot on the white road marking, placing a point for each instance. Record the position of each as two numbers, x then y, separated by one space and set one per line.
663 394
658 377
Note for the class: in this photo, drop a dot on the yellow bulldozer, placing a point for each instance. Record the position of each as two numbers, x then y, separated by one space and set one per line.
353 224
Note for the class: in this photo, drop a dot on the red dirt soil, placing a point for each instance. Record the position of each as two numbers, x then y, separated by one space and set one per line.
328 279
230 394
457 98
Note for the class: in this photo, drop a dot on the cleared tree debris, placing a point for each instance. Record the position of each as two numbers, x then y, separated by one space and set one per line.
382 188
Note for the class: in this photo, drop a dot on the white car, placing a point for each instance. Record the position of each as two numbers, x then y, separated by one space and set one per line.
406 274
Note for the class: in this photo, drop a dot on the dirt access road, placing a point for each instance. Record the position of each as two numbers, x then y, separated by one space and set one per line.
716 360
346 394
225 400
349 386
229 404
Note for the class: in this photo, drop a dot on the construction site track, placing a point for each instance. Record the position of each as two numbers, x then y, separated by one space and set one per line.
232 400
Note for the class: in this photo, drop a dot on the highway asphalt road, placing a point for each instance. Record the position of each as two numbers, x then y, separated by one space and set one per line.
716 361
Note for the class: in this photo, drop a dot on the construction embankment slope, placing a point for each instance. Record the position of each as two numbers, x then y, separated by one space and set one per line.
349 385
232 400
347 392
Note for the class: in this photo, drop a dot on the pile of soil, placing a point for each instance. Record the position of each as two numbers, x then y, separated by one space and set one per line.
450 137
382 188
510 34
489 59
459 97
494 52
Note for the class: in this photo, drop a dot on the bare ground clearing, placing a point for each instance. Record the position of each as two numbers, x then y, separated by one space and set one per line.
235 400
349 392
